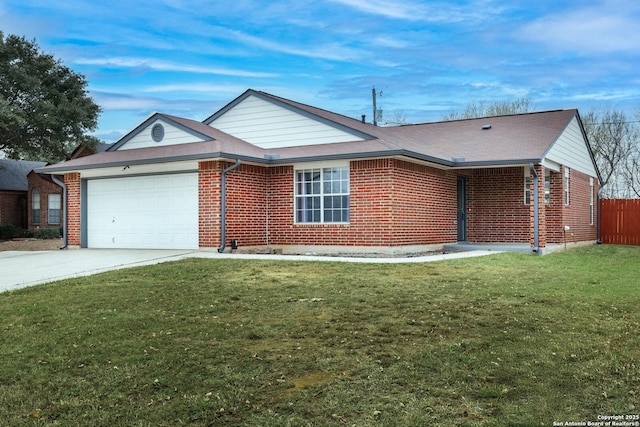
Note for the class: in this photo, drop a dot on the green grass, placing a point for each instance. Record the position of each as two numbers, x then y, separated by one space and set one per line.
504 340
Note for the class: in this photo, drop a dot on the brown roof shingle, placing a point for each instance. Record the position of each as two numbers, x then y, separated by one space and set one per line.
513 139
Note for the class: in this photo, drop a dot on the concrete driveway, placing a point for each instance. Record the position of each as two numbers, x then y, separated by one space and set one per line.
19 269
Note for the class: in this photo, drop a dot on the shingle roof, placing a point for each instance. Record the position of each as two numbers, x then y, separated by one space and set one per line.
13 173
513 139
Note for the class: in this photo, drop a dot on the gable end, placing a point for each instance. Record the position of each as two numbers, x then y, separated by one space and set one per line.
271 123
158 130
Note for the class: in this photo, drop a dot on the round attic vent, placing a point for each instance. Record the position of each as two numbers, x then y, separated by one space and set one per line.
157 132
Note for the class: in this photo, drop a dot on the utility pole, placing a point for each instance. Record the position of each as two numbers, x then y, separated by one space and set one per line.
375 108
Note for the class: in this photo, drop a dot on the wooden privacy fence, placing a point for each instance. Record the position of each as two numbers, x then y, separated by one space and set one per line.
620 221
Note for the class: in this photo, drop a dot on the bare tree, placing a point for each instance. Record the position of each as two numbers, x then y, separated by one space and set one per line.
477 109
396 117
614 140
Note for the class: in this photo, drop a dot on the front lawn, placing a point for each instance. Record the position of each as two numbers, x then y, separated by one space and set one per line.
507 339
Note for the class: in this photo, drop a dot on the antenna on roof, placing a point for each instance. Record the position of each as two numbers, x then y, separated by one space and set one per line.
377 114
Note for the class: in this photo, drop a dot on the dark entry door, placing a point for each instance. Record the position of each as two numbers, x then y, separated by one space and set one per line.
462 208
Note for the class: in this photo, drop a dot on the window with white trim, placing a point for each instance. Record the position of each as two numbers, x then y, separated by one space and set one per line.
322 195
35 206
591 197
527 186
566 186
54 209
547 186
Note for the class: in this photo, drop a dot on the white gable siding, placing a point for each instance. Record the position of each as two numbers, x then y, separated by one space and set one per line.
571 150
268 125
172 136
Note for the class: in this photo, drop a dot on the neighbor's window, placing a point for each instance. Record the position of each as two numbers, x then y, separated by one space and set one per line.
35 206
566 186
591 197
54 209
322 195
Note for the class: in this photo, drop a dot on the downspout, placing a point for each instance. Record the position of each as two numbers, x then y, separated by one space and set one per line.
536 202
223 207
64 210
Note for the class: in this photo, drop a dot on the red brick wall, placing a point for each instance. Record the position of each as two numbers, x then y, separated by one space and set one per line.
424 205
497 212
46 187
72 181
209 173
554 210
247 205
13 208
576 214
393 203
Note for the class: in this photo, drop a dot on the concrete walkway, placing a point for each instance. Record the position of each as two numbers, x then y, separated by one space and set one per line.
22 269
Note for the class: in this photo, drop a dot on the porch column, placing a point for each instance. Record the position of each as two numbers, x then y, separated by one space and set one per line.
542 223
209 175
72 181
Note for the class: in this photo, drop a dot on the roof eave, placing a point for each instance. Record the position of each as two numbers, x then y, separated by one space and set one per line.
494 163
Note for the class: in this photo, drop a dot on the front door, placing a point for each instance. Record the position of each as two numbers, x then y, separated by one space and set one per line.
462 209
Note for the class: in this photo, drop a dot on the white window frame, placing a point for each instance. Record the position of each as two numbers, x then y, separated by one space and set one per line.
591 200
547 186
322 196
53 207
567 183
527 186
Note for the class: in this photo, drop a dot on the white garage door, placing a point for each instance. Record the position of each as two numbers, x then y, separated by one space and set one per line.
147 212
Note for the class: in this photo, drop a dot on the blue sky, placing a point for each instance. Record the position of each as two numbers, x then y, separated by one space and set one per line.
189 58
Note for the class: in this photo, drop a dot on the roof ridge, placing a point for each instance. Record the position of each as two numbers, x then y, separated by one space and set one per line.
466 119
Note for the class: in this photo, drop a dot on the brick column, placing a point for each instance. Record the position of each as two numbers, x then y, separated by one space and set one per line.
209 174
72 181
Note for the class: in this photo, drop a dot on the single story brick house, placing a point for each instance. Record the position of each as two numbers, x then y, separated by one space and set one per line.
44 201
14 191
266 172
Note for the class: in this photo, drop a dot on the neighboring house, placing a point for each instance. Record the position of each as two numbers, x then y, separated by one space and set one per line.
268 172
14 191
44 203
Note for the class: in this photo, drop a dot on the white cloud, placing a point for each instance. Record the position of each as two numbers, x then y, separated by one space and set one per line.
120 62
333 51
389 9
196 87
600 29
444 11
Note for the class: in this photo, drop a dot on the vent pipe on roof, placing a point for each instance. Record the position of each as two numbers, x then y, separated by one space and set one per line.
364 118
223 207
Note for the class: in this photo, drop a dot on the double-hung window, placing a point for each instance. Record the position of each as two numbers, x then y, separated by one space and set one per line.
566 186
591 197
54 209
35 206
322 195
527 186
